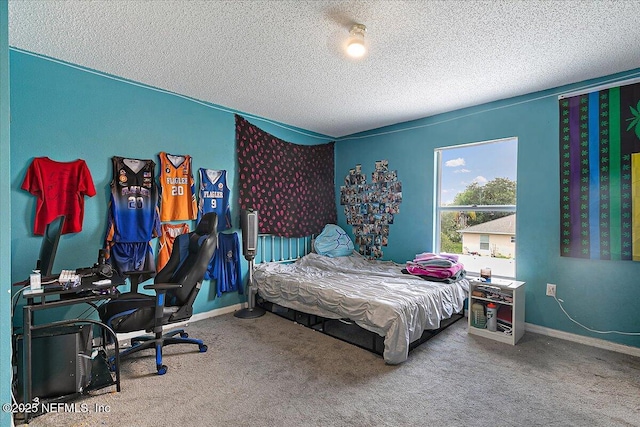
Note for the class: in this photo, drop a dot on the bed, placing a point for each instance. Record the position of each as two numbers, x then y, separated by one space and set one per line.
400 309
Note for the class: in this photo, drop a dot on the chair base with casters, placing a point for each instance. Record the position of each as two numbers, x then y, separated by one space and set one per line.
159 339
158 342
176 287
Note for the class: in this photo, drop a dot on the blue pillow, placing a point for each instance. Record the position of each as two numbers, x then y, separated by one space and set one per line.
333 242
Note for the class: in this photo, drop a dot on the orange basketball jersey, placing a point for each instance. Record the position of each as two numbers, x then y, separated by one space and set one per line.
166 240
178 199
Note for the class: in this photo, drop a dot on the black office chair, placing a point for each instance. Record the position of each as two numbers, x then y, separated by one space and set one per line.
176 287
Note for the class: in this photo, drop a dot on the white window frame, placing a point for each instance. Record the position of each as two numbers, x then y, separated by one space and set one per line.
438 209
487 242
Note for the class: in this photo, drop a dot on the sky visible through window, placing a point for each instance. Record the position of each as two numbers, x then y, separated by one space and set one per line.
479 163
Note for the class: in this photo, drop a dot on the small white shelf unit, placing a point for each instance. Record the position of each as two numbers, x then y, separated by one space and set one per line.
512 288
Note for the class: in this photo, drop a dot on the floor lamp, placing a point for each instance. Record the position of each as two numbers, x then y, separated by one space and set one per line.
249 226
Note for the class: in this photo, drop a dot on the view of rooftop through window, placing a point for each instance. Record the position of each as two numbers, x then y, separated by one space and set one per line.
476 204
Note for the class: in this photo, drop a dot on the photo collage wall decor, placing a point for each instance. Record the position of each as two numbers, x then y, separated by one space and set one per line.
370 207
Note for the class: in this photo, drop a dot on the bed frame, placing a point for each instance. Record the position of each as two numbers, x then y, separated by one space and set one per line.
283 249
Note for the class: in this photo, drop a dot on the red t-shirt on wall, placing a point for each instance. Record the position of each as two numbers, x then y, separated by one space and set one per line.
60 188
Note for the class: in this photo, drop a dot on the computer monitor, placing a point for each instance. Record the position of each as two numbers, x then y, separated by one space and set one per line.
49 246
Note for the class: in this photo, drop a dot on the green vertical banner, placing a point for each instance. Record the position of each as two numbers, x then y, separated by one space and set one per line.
565 179
599 206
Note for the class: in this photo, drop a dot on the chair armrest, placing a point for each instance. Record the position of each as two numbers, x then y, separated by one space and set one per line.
134 272
163 286
136 277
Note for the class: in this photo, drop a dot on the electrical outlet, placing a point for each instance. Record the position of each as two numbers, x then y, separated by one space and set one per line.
551 290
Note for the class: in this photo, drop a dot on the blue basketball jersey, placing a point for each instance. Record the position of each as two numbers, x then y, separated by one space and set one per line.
133 205
225 265
214 196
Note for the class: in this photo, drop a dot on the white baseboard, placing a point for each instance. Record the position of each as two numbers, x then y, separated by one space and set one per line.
214 313
594 342
200 316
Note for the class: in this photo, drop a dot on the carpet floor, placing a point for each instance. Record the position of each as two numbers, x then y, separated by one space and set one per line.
272 372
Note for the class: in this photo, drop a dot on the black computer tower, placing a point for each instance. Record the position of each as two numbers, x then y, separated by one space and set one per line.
60 361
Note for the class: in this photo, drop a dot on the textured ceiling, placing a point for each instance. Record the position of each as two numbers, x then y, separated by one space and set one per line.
284 60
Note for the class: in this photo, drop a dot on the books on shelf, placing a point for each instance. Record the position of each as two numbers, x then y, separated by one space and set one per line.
493 293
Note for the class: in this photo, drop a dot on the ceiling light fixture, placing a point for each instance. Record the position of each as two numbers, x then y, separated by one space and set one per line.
355 44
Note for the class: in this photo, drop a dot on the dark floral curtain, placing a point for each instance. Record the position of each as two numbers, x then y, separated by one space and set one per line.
290 185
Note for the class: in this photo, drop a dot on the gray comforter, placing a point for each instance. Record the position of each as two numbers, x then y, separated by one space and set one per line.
373 294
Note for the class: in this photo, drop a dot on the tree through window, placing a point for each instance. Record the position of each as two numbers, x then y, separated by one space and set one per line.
476 204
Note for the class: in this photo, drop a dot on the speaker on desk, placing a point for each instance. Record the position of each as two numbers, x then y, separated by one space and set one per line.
249 227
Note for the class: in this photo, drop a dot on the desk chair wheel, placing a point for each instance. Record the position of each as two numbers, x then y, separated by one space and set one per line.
203 348
162 369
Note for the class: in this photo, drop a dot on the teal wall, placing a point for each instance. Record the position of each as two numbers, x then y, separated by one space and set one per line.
5 226
599 294
65 112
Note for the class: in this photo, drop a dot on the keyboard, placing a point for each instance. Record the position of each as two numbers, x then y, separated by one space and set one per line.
68 277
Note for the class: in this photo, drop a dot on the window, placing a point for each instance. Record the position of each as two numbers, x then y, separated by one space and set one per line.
484 242
475 206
